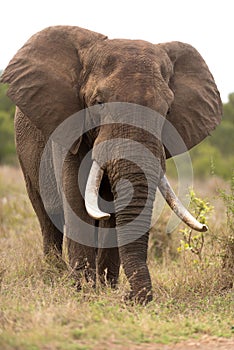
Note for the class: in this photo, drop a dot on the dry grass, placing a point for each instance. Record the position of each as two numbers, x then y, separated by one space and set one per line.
41 310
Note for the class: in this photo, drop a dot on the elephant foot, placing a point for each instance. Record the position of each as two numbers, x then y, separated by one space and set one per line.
109 280
83 274
143 297
112 283
56 261
90 277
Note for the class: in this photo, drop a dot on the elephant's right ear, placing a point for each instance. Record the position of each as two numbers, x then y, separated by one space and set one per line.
44 75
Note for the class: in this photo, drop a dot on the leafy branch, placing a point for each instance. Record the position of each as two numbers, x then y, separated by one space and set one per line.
195 242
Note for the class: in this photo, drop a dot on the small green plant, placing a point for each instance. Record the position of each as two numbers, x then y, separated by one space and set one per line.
195 242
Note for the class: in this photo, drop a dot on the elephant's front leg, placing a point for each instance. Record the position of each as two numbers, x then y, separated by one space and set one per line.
108 261
80 228
108 266
82 260
108 254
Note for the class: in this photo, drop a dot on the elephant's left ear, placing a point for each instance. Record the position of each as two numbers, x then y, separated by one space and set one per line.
197 108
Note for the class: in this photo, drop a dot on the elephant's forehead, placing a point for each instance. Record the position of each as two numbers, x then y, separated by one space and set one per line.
125 52
137 56
130 46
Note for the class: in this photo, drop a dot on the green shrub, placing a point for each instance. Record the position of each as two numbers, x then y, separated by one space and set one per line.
194 242
215 154
7 145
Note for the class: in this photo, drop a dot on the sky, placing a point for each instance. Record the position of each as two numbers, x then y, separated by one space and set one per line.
205 24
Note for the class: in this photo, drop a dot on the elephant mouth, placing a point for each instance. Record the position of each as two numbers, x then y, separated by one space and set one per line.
92 190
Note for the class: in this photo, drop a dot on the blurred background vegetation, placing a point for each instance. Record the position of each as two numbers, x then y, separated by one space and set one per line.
7 144
213 156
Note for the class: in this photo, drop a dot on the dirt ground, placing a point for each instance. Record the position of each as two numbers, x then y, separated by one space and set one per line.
205 343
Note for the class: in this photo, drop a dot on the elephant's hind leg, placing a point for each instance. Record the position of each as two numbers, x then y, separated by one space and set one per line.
52 236
30 144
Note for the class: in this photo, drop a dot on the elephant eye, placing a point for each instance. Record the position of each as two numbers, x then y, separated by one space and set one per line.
100 103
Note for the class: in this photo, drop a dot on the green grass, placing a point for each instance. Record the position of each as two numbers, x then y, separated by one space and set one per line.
40 308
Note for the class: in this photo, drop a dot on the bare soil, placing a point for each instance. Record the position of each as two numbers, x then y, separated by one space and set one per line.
205 343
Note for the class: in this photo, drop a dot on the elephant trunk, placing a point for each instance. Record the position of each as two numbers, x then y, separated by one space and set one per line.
133 179
134 193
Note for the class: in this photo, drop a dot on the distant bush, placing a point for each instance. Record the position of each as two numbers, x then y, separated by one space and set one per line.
6 104
215 155
7 144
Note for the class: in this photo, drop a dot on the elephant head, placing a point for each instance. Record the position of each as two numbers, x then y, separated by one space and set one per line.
62 70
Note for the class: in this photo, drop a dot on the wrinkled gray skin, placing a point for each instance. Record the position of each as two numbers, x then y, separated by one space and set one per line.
62 70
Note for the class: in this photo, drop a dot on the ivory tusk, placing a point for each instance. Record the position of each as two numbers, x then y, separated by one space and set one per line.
177 206
91 193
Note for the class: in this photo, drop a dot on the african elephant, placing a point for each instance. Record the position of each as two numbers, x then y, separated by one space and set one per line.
65 69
